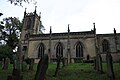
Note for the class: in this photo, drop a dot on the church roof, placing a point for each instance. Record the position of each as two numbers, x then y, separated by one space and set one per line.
64 34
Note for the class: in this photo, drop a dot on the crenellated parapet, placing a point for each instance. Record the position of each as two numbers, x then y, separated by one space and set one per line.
31 14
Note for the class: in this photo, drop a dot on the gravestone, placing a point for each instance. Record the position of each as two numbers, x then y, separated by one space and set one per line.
95 63
24 66
3 61
0 64
42 68
63 62
31 64
58 65
98 64
110 71
15 75
14 61
119 61
6 63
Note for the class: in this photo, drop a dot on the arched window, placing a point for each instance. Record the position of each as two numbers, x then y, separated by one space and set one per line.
79 50
41 50
59 49
105 46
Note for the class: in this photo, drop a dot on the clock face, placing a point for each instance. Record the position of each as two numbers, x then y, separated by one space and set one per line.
28 23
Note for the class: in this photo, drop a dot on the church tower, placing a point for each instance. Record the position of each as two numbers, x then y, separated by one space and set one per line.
31 25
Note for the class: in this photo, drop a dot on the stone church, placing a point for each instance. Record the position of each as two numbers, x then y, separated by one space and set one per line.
70 45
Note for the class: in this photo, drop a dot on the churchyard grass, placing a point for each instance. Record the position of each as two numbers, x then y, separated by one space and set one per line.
77 71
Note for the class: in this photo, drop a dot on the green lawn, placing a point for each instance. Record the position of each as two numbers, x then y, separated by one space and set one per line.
77 71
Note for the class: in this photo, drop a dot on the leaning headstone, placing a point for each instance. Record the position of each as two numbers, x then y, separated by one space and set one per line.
98 63
15 75
3 61
15 64
58 65
119 61
42 68
0 64
110 71
14 61
24 64
6 63
63 61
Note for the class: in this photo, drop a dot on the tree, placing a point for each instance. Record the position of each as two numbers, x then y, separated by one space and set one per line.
10 31
5 55
19 2
5 51
1 14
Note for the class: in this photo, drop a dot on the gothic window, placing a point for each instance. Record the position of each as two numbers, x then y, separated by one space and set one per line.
28 23
59 50
105 46
79 50
41 50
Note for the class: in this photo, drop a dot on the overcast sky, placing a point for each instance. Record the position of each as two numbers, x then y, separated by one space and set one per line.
80 14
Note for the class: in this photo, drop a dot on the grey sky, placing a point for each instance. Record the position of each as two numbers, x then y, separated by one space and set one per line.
80 14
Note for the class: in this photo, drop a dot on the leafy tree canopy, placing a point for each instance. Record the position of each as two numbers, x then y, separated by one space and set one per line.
1 14
5 51
19 2
10 31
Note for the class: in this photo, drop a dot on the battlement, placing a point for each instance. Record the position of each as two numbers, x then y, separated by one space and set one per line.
31 14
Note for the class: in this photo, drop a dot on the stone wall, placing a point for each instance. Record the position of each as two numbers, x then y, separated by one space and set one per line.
88 45
115 57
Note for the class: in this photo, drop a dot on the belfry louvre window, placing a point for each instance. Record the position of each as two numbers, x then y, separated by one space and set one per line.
105 46
59 49
79 50
41 50
29 23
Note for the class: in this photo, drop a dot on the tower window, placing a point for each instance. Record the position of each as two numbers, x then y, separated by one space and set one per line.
28 23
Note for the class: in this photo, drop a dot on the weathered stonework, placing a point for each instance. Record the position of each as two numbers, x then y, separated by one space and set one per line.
90 43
